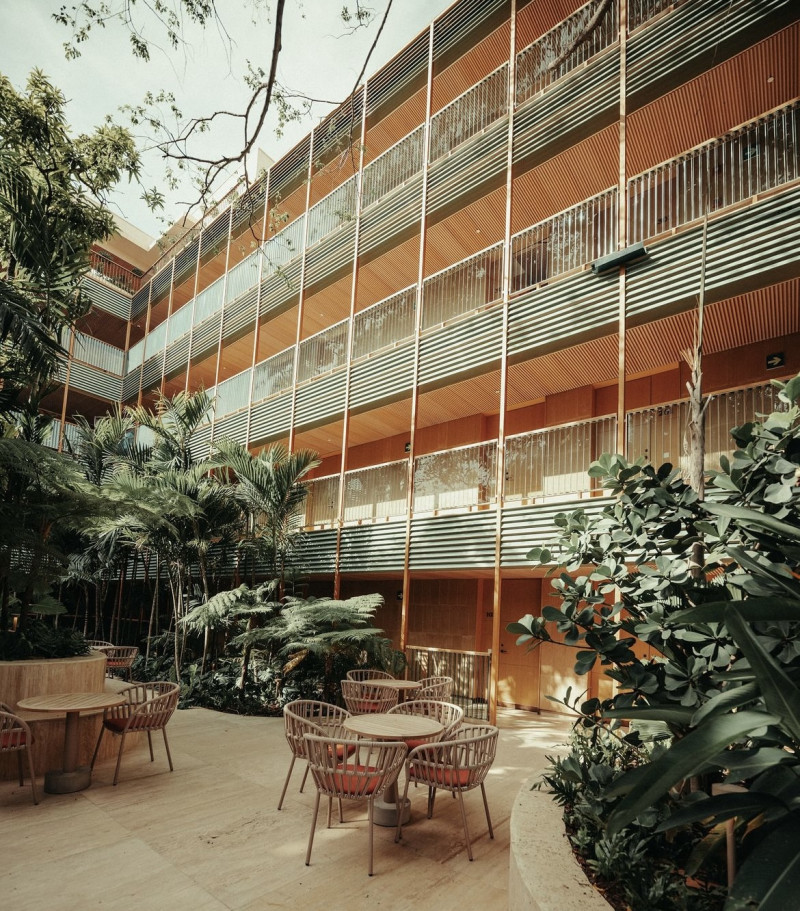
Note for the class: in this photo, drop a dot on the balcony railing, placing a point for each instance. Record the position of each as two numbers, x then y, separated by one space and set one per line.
337 208
657 433
470 113
469 670
753 159
322 502
384 323
553 462
232 394
273 375
641 11
565 47
468 285
322 352
456 478
102 266
378 492
394 167
564 242
92 351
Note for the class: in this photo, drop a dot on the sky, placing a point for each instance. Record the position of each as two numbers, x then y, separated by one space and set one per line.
318 58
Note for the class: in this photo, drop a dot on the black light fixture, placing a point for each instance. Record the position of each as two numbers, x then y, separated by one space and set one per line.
633 254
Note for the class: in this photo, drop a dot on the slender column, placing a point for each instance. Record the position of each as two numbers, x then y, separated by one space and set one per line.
194 312
426 145
259 279
501 434
302 298
166 334
146 334
221 318
622 220
353 288
67 372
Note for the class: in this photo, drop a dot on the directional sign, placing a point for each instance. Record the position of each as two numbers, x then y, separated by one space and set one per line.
776 359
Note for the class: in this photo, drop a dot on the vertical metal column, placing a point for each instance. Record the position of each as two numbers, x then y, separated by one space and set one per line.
166 333
194 311
501 433
426 146
146 333
254 361
221 321
302 299
67 372
622 220
349 358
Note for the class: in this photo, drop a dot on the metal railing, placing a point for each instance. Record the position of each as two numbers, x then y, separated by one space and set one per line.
322 502
180 322
232 394
470 672
553 462
658 432
335 209
90 350
565 47
753 159
322 352
393 167
385 323
242 277
273 375
470 113
102 266
566 241
378 492
284 246
456 478
468 285
641 11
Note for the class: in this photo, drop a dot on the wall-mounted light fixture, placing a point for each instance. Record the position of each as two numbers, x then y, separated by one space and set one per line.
633 254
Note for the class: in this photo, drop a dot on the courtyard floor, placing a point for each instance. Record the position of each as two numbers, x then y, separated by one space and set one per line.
208 836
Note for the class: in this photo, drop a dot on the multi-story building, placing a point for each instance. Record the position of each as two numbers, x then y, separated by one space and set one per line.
476 275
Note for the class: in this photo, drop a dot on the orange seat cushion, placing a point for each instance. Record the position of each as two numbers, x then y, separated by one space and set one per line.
437 777
12 739
356 784
116 724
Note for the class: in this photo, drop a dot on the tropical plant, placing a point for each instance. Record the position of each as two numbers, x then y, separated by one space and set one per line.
724 636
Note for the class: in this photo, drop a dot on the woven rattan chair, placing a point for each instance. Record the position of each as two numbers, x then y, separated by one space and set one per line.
459 764
446 713
120 658
368 673
307 716
435 688
99 644
149 707
365 699
16 737
364 775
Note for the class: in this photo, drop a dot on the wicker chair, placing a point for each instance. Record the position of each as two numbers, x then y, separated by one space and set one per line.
457 765
120 658
307 716
15 736
446 713
364 775
149 707
365 699
367 673
99 644
435 688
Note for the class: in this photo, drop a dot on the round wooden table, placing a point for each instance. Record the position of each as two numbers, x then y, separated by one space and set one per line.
70 777
402 686
392 726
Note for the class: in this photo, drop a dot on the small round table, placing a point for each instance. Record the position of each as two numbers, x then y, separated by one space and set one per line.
70 777
402 686
392 726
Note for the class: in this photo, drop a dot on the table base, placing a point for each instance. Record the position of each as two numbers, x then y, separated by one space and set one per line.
60 782
385 814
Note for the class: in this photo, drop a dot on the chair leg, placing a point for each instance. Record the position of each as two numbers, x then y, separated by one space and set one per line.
313 826
150 744
166 745
464 818
371 803
486 807
33 777
119 757
401 803
330 807
19 767
97 746
286 783
303 782
431 799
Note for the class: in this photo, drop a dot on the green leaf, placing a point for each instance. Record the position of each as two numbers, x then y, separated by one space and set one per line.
752 609
671 714
781 694
769 879
725 806
725 701
752 517
684 758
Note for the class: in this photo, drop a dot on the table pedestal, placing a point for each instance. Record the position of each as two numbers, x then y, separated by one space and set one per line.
57 781
385 813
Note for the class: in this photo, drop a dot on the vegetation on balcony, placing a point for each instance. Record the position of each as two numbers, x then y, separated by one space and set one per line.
692 608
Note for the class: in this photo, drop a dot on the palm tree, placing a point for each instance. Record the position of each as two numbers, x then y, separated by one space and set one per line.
174 423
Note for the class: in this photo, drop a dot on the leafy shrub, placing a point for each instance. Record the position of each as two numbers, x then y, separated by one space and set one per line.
41 640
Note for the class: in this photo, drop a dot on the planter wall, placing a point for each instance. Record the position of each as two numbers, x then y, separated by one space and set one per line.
40 677
543 872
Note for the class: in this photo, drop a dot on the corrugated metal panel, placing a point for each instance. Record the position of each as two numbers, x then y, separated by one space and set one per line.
333 253
205 337
201 442
250 206
568 106
186 260
130 385
318 552
398 211
689 33
463 541
177 356
532 526
140 299
232 427
373 548
281 289
240 314
399 72
95 381
469 345
109 299
214 238
742 246
579 304
292 166
160 284
320 400
383 377
460 20
152 370
270 419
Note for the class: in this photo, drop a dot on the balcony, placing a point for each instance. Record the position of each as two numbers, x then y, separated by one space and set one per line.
104 267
